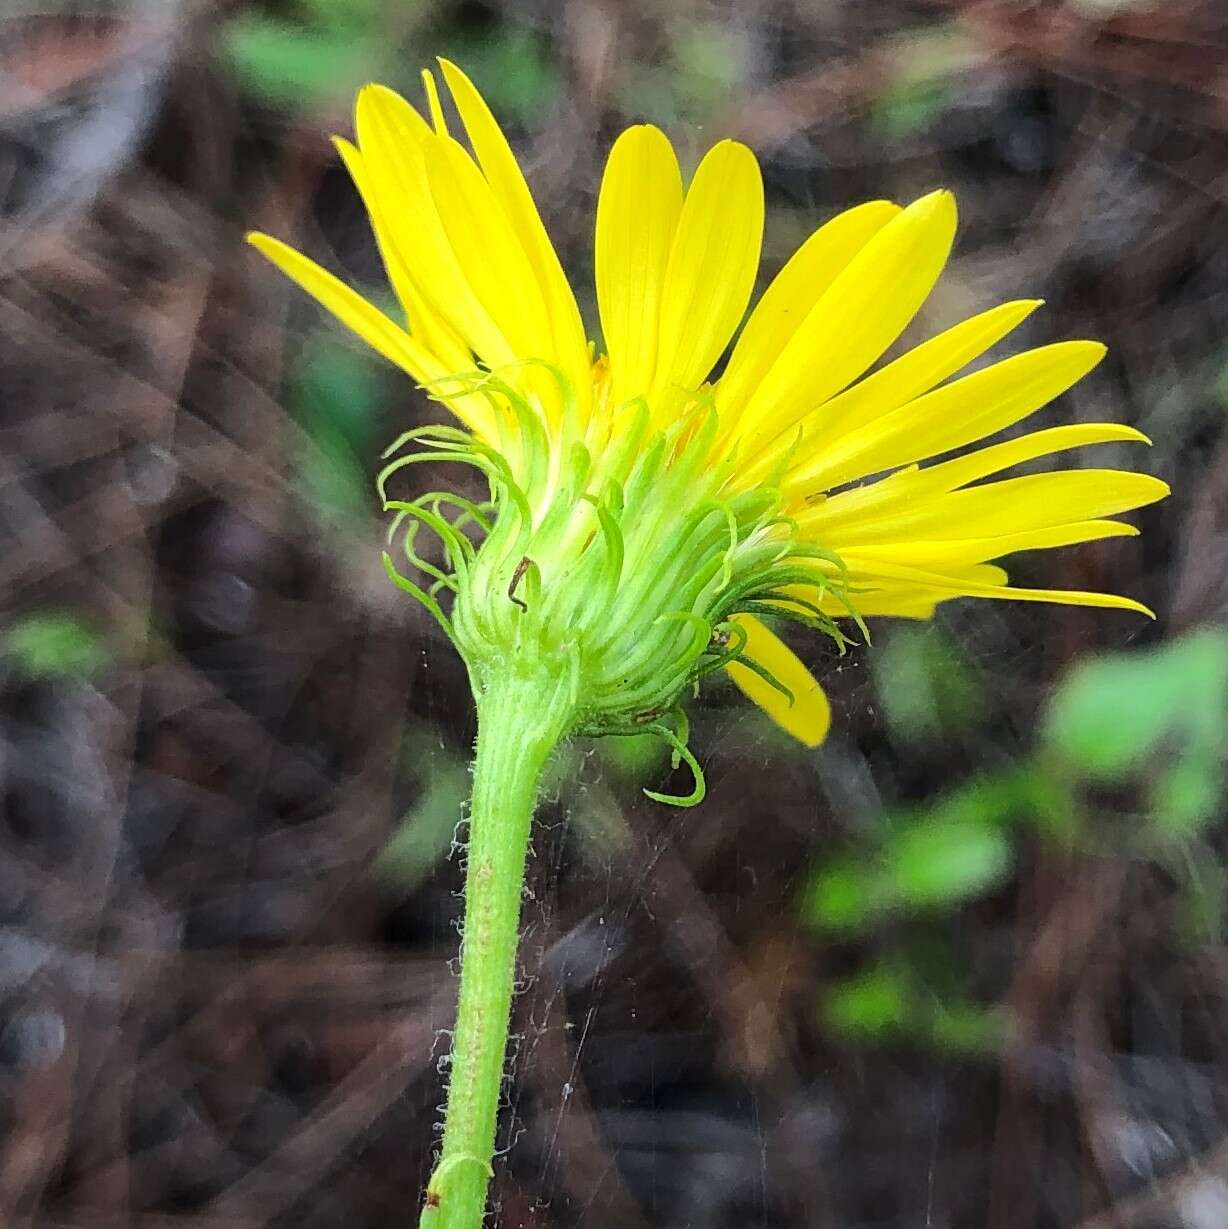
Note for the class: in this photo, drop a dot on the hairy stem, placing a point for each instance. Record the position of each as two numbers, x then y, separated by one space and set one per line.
521 718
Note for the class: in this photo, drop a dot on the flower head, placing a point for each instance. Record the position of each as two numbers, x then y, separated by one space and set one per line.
644 515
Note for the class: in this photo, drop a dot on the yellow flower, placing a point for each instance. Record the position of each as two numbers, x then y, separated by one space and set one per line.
792 412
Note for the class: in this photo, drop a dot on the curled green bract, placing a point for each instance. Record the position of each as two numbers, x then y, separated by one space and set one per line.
619 562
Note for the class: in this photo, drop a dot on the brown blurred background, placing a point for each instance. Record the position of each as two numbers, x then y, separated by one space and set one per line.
962 969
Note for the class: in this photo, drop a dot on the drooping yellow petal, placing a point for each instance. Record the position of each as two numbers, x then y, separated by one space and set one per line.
808 716
508 185
863 311
712 265
790 296
637 217
956 414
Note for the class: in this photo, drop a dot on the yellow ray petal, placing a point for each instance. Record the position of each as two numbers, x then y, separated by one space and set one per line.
808 716
376 329
637 217
488 250
986 461
878 596
1014 505
1063 597
958 552
911 484
383 335
965 587
712 265
424 323
863 311
887 603
438 120
791 295
921 369
508 184
957 414
392 136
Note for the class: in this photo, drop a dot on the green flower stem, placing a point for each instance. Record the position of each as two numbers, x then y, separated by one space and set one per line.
523 713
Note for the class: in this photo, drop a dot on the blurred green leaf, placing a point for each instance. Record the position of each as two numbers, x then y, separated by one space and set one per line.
54 645
924 68
634 757
342 13
1221 377
874 1003
337 387
333 481
335 393
704 64
1202 904
1113 711
1104 9
845 895
706 67
292 65
961 1027
945 854
889 1001
906 108
924 686
1014 795
427 830
944 861
515 70
1186 794
1157 720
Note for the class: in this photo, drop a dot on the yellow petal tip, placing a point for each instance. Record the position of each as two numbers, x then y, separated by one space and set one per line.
807 716
940 200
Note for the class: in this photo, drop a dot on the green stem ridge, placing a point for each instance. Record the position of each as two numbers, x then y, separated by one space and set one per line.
523 713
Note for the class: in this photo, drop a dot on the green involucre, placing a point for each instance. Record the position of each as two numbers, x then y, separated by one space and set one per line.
619 565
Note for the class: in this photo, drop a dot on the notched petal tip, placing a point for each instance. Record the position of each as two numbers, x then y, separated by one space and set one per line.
939 205
637 137
376 95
